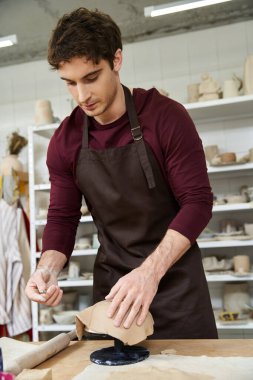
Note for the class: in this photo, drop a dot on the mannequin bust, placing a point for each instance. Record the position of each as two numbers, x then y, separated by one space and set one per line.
11 162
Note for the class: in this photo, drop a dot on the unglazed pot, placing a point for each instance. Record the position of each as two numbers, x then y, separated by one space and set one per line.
248 75
251 154
231 87
211 151
43 112
236 296
241 263
193 92
228 157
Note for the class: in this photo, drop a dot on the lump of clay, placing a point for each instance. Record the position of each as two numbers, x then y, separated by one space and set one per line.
95 319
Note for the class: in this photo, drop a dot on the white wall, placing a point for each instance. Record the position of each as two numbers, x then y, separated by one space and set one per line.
170 63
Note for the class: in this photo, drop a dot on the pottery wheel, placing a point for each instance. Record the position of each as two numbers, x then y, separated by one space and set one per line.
119 354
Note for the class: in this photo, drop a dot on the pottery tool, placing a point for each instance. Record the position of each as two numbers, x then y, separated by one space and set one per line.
41 353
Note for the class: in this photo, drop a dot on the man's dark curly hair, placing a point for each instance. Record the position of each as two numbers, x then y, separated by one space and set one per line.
84 33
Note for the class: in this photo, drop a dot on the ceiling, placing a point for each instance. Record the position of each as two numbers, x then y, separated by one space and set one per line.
33 20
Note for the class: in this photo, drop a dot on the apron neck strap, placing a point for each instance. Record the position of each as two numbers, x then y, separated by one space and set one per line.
135 127
138 138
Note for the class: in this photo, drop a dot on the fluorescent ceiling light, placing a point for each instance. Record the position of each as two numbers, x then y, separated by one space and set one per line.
8 40
178 6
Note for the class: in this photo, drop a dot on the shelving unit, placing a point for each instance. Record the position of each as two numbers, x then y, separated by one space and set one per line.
243 325
35 189
225 244
228 278
84 219
234 207
221 109
76 253
208 116
230 168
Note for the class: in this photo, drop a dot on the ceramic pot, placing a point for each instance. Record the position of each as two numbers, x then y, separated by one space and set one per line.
250 193
74 270
211 151
228 157
193 92
43 112
248 228
236 296
248 75
241 263
231 87
95 241
251 155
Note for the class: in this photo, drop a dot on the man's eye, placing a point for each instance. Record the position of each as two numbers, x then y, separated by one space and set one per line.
70 83
91 79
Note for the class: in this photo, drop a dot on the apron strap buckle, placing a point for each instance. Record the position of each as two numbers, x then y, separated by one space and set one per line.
136 133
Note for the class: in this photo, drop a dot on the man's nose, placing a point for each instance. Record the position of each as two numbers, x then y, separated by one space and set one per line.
83 93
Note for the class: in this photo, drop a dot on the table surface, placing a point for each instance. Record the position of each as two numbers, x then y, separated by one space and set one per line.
71 361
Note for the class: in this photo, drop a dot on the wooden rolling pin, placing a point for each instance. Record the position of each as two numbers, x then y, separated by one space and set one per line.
42 353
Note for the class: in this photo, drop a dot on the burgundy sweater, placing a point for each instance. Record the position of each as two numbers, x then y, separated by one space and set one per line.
172 136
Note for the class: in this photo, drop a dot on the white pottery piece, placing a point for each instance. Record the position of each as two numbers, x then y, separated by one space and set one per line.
236 296
231 87
248 75
43 112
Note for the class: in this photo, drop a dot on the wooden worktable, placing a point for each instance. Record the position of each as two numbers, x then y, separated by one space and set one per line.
75 358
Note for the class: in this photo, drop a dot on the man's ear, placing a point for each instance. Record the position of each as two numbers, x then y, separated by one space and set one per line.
117 61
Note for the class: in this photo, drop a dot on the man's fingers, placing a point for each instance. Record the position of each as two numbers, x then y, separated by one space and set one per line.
114 290
40 282
122 312
143 315
134 310
116 302
36 297
58 299
52 295
51 290
51 298
33 293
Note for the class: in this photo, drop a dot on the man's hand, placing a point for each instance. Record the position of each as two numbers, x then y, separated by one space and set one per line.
43 288
132 295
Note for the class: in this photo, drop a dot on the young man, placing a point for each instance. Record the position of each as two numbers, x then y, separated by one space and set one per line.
138 161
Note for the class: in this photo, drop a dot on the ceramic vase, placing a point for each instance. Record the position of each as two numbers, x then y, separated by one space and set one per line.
43 112
248 75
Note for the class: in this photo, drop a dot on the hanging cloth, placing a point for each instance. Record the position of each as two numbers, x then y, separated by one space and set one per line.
15 307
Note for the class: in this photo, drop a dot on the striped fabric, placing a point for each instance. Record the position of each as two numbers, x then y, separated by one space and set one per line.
15 308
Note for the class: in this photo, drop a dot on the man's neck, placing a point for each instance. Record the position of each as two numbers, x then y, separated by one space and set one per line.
118 108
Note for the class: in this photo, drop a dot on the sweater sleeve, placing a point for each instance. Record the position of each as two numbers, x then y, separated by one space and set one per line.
186 172
65 202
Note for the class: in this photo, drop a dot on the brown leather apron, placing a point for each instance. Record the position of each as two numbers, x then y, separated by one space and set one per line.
132 206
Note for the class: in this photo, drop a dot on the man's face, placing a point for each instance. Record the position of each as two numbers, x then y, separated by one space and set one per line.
93 86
